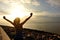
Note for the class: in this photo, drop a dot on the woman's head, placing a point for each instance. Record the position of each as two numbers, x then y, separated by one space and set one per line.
17 20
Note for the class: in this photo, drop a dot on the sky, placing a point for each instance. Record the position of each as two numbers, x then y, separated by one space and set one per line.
43 10
41 7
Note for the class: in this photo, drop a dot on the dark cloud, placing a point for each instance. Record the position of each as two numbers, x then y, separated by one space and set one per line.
54 2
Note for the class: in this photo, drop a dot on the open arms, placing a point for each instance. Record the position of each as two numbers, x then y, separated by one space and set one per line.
7 19
27 18
22 22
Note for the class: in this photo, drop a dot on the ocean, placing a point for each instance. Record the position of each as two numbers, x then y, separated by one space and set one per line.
43 23
48 24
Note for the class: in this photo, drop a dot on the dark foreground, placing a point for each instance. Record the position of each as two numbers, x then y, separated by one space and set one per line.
29 34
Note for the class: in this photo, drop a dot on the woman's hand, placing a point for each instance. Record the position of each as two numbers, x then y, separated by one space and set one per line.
4 17
31 14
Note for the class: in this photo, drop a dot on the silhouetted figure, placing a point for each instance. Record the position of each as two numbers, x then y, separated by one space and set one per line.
18 27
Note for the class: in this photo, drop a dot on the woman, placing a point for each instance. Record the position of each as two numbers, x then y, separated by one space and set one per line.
18 26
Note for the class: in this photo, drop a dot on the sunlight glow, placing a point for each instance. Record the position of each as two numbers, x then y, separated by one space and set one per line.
18 11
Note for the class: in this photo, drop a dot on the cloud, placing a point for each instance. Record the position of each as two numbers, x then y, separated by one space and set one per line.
35 2
3 8
4 1
48 14
6 6
3 13
54 2
26 1
32 2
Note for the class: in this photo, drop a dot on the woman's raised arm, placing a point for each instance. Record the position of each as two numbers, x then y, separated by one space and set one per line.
27 18
7 20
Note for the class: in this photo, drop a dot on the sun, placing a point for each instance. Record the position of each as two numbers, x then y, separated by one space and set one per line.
18 11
